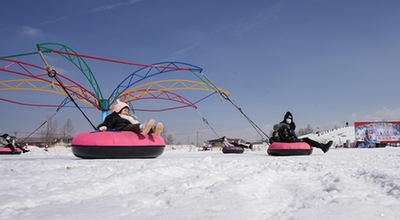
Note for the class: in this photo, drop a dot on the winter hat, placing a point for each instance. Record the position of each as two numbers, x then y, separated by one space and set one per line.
4 135
118 106
288 115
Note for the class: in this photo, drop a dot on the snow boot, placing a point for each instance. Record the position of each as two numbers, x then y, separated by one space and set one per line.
326 146
159 129
148 126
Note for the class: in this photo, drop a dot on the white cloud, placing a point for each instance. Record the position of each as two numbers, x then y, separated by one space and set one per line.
110 7
31 32
54 21
256 20
180 53
382 114
388 114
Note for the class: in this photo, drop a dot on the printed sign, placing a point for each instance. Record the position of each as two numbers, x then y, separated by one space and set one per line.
383 131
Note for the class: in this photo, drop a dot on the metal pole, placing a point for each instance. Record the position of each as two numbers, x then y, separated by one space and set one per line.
197 139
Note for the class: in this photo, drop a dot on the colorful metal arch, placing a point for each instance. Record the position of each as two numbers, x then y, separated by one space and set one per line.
148 70
176 84
123 90
23 68
152 90
163 86
26 69
46 86
147 94
151 71
40 85
78 61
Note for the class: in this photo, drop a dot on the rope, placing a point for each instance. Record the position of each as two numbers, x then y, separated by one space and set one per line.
39 126
258 129
205 121
53 74
226 97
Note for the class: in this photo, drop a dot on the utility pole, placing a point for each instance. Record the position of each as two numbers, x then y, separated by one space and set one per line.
197 139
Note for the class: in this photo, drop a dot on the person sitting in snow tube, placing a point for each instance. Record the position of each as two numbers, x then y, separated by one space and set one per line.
274 138
120 136
225 142
227 147
121 120
6 141
286 133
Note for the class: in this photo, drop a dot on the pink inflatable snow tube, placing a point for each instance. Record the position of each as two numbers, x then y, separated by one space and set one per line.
233 150
6 150
117 144
289 149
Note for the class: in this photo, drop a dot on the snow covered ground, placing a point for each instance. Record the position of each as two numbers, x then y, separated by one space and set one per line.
181 184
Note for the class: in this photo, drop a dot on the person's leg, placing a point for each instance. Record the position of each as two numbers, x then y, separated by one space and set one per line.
312 142
323 147
12 148
23 149
133 127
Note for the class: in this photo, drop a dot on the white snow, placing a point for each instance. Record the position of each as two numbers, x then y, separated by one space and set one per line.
188 184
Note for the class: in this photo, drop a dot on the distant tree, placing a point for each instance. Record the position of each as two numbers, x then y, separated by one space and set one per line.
304 131
49 132
335 127
169 140
309 129
301 132
178 143
67 130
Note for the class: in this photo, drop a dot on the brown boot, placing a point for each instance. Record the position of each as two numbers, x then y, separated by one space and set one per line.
159 129
148 126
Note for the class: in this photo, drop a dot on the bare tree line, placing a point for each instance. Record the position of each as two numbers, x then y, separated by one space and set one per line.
52 131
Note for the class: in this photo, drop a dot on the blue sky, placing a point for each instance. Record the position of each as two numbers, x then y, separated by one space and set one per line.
328 62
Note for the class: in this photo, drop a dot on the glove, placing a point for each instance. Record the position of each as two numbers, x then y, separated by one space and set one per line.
103 128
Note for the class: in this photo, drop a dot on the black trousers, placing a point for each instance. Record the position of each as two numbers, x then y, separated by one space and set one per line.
312 143
12 148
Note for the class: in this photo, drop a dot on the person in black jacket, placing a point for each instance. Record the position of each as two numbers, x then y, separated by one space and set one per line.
7 142
286 133
121 120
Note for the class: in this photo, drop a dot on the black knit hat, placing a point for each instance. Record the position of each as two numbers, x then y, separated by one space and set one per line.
4 135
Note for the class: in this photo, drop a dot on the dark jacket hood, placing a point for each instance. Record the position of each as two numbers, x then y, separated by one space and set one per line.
288 115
